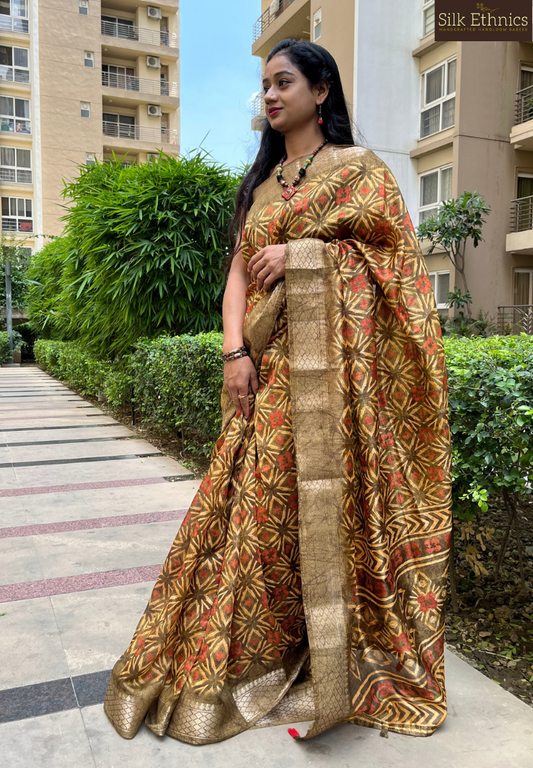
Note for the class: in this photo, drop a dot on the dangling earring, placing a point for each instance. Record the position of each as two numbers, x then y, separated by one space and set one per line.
320 121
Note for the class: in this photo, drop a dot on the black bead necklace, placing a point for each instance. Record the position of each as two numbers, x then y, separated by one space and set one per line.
290 189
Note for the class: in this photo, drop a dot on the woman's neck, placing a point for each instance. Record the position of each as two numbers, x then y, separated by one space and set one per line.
303 142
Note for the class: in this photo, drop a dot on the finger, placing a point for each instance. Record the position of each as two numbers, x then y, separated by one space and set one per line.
255 258
254 382
245 404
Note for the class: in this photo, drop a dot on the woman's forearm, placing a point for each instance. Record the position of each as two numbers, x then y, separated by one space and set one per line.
234 309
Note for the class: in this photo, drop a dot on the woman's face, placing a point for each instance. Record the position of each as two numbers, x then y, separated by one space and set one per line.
289 101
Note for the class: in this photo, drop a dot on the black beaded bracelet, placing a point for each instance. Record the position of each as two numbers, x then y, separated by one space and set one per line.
234 354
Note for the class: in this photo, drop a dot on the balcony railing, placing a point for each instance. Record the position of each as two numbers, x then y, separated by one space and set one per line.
521 214
13 24
139 34
271 14
139 84
16 175
139 133
516 318
524 105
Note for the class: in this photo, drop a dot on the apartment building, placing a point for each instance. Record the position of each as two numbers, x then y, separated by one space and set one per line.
446 117
79 80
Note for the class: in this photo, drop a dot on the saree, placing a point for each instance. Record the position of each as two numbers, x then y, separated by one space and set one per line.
308 579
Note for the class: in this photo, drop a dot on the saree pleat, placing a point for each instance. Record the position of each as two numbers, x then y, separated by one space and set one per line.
308 580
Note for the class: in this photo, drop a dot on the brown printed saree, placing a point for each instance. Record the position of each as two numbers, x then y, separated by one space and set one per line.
308 579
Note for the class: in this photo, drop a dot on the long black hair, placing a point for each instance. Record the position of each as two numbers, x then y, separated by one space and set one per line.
316 64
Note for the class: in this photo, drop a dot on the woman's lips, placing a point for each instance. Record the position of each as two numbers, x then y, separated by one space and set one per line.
275 111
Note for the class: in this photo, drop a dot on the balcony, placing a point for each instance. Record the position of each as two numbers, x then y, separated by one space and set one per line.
520 237
139 133
284 18
515 319
142 35
521 136
13 24
139 84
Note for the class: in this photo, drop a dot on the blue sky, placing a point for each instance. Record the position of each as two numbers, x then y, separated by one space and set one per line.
218 76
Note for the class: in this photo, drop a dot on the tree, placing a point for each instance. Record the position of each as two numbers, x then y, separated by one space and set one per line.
457 220
142 253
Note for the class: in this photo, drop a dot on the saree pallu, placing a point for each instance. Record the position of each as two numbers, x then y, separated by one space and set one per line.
308 580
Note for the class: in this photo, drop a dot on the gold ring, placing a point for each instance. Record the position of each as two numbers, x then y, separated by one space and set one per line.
242 395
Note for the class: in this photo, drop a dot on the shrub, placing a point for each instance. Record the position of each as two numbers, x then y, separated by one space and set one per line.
4 344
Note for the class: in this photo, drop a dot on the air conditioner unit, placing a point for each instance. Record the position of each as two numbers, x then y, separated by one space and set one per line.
154 110
154 62
152 157
85 106
153 12
84 3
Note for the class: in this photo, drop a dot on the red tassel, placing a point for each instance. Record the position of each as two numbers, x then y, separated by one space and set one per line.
293 732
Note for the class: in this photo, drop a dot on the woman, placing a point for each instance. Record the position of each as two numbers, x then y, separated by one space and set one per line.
308 579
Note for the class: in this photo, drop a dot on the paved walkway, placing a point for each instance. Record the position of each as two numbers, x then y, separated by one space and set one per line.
87 515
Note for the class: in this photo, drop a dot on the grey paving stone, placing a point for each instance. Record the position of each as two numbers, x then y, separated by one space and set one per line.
73 433
51 741
36 654
97 502
78 450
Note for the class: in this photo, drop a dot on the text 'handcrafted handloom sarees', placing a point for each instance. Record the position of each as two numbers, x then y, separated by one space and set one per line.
308 580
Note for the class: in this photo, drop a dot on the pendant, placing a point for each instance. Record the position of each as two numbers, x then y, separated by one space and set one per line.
289 191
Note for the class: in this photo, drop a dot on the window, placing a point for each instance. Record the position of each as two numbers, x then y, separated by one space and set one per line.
14 115
119 125
89 59
14 64
90 158
14 15
438 98
83 7
317 24
440 282
17 214
15 165
85 109
428 17
435 187
523 285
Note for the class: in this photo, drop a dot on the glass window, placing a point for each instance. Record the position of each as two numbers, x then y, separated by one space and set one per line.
14 114
15 165
428 24
14 64
90 158
83 7
440 283
89 59
17 214
317 24
435 187
85 109
438 99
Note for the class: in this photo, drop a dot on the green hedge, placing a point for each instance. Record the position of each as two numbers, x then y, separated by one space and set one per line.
4 344
176 383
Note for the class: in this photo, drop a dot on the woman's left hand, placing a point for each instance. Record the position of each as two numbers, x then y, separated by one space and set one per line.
267 265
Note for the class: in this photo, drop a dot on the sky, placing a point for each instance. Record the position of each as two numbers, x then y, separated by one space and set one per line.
218 78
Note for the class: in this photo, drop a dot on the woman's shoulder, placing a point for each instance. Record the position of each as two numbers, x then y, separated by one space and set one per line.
356 157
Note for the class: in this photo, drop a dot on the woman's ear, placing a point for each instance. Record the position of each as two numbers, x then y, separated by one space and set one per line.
322 90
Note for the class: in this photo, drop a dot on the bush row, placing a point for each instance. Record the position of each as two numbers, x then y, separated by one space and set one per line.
175 384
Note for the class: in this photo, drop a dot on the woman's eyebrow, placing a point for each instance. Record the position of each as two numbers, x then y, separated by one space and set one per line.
283 72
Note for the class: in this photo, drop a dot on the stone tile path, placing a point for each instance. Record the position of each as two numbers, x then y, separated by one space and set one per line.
87 515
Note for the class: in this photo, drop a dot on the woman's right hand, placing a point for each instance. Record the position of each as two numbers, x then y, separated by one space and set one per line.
239 375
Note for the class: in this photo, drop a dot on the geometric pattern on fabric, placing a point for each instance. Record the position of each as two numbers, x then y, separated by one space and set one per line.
228 633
